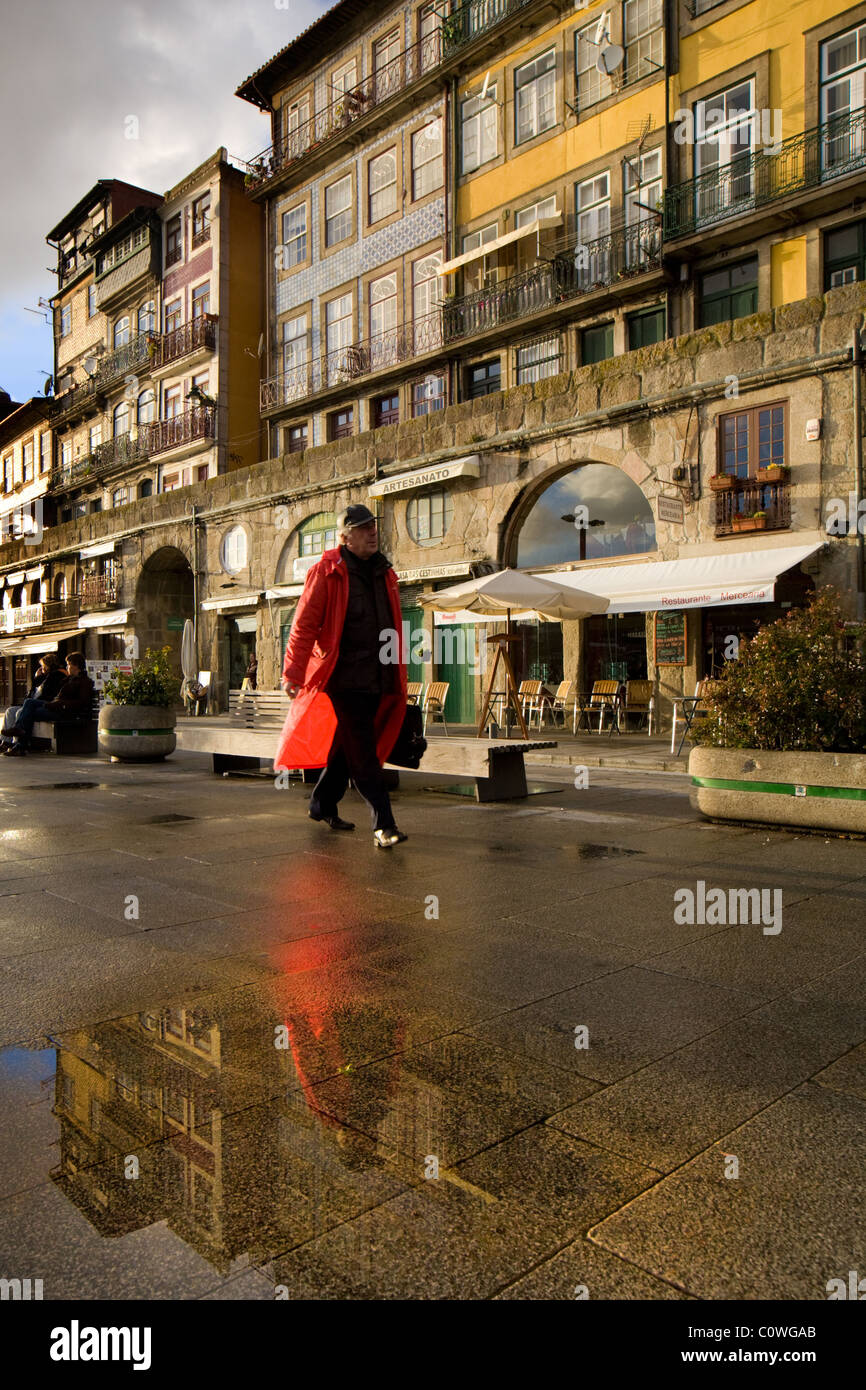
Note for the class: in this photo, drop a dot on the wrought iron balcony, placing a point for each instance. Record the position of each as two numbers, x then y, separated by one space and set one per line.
346 364
99 591
76 401
734 511
187 428
58 611
199 333
591 266
131 357
471 21
759 178
119 452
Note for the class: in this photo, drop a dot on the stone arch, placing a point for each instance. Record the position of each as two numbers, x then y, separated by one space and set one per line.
164 591
610 516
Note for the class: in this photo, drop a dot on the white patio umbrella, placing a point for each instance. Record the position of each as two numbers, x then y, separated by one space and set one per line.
512 591
187 655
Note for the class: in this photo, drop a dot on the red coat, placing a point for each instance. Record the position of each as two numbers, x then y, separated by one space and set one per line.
311 655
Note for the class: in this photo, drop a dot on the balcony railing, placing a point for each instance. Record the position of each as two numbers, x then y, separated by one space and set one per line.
732 510
133 355
200 333
60 610
754 180
593 265
99 591
74 401
471 21
118 452
345 364
329 123
192 425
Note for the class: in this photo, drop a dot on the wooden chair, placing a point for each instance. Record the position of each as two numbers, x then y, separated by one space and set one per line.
197 704
413 692
691 707
531 700
639 700
605 696
434 702
561 697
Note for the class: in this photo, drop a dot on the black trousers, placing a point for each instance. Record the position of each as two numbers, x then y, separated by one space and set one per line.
353 754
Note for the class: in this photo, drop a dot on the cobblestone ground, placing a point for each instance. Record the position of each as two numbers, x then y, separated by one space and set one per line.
240 1051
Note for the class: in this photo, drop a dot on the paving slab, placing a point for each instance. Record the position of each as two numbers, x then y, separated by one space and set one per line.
583 1271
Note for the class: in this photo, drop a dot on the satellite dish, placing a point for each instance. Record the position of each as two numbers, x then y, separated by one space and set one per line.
609 59
486 84
90 366
48 387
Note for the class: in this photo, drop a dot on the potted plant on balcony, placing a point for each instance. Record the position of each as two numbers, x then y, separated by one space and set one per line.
723 482
784 738
138 724
749 521
774 473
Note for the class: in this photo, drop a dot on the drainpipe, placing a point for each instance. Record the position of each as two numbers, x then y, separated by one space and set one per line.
195 583
857 363
451 223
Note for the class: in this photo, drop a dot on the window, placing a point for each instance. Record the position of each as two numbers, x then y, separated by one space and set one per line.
317 534
474 272
94 438
296 439
170 482
91 301
79 509
44 452
383 305
483 379
592 204
725 131
172 316
338 323
427 169
428 395
425 302
65 453
430 35
644 38
338 211
234 550
96 504
843 95
202 472
429 515
120 496
145 488
173 240
172 403
383 186
538 360
341 423
535 97
592 85
596 344
845 255
147 317
201 220
201 300
479 131
645 328
642 191
27 457
386 410
66 320
385 51
18 474
200 384
294 237
295 344
296 126
121 331
730 293
146 407
750 440
66 514
121 419
7 473
344 79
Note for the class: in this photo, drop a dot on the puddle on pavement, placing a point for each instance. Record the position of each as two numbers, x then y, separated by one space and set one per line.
588 851
170 819
64 786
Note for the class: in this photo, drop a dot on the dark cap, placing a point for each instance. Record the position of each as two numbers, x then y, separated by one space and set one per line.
356 515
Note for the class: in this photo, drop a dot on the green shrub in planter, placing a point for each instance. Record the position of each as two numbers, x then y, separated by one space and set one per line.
799 683
151 682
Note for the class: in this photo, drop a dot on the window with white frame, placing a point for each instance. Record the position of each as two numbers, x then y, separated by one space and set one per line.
94 437
386 49
338 323
643 30
479 131
146 407
430 35
120 496
233 551
642 186
172 315
172 403
475 271
201 300
592 85
537 360
726 127
294 236
343 79
427 170
317 534
425 286
843 96
295 344
91 301
429 515
383 185
66 320
7 471
383 305
429 394
338 211
27 459
45 452
121 418
296 124
65 453
121 331
546 208
592 206
147 317
535 97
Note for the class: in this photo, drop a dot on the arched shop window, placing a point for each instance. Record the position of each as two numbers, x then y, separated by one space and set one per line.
317 534
234 550
595 512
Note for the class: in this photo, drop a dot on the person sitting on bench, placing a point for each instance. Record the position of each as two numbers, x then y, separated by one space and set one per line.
46 684
74 699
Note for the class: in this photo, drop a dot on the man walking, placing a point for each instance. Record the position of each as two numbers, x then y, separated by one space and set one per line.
75 697
351 705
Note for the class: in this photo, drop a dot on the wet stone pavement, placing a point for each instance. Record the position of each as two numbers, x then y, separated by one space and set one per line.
246 1058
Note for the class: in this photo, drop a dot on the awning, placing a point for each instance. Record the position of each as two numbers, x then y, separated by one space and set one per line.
90 552
116 618
469 467
24 646
217 605
704 581
538 224
285 591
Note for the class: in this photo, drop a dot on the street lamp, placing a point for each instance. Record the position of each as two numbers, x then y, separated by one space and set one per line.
582 530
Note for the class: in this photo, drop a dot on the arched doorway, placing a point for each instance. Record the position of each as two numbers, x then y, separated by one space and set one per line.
593 512
163 600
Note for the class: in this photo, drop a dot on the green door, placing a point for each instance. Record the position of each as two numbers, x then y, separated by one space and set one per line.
415 618
457 657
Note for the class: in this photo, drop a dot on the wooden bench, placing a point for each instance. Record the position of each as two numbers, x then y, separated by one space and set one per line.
71 737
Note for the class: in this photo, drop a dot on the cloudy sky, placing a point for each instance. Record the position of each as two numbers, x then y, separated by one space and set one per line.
70 75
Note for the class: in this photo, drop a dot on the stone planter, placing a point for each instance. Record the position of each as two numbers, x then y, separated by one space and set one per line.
821 791
749 523
136 733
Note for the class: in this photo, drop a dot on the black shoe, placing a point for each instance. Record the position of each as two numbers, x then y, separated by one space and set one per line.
16 751
333 821
387 839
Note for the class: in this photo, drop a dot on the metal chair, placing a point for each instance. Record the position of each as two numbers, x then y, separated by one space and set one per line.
692 707
413 692
640 700
560 701
531 700
605 697
434 702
